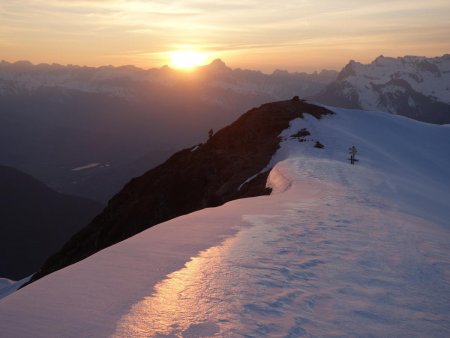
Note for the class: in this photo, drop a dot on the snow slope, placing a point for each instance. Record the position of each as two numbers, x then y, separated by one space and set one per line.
336 250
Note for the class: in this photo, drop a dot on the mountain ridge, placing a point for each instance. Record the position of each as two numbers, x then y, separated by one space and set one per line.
56 118
345 249
203 176
121 80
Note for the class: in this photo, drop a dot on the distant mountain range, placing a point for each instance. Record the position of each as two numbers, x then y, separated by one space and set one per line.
86 131
35 221
131 82
413 86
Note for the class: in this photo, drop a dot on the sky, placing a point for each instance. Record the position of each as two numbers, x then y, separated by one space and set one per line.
296 35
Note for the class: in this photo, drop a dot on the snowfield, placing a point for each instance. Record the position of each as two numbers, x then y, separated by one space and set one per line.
336 250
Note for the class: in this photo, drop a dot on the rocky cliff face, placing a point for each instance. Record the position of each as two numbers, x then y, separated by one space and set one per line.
206 175
412 86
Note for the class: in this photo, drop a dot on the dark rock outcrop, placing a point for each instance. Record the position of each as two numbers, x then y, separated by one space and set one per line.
54 118
301 133
319 145
35 222
207 175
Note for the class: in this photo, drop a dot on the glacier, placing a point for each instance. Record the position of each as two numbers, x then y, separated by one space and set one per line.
336 250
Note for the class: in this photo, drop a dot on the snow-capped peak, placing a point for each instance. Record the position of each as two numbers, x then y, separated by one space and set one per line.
129 81
429 76
414 86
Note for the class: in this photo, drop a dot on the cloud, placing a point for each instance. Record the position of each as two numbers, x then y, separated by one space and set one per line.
115 27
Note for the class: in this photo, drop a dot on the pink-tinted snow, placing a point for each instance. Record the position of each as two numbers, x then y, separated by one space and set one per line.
337 250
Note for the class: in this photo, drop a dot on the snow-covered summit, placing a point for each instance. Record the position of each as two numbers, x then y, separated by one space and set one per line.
414 86
336 250
428 76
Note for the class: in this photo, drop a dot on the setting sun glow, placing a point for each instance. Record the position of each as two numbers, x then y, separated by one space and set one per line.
186 59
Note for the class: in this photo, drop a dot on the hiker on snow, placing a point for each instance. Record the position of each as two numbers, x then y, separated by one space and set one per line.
352 151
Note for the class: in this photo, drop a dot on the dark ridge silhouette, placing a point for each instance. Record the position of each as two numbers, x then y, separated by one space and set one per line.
55 118
35 222
207 175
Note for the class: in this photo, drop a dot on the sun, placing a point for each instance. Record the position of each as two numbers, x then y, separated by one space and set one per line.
187 59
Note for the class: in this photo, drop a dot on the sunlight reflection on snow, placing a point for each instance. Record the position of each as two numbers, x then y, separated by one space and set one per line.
327 264
187 298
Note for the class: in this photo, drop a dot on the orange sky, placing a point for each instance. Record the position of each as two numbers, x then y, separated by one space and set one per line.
298 35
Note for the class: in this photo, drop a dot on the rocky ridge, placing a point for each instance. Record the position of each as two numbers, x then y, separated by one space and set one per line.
206 175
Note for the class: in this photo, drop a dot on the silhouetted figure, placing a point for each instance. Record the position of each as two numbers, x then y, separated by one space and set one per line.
352 150
210 133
